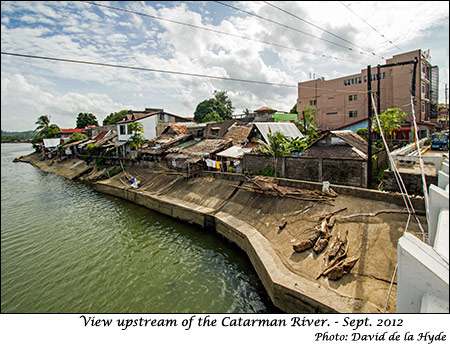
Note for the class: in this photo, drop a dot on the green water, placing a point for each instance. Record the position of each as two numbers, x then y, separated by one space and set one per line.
66 248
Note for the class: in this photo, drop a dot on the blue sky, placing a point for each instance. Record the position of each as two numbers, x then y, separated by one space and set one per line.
82 31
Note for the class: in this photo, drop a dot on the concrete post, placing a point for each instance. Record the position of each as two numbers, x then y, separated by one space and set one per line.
438 200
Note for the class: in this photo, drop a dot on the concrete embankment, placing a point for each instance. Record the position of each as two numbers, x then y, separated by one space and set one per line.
217 202
71 168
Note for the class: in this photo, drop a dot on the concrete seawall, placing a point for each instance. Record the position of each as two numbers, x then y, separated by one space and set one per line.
279 282
250 220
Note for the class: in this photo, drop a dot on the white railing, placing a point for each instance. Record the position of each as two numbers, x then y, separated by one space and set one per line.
423 268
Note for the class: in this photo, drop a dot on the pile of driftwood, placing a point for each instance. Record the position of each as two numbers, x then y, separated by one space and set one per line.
338 263
268 185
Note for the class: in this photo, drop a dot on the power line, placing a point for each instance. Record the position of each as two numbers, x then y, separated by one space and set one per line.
171 72
374 29
148 69
286 26
214 30
318 27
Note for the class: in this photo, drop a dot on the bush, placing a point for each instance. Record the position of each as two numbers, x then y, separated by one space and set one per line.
75 137
99 162
267 171
114 171
92 149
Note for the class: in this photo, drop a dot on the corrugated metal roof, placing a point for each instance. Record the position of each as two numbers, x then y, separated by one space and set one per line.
288 129
234 152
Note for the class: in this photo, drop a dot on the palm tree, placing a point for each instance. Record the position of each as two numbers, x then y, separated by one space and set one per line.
276 146
43 123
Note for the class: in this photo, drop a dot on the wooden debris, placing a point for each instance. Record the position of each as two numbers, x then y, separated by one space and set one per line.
268 185
320 245
302 246
342 268
331 222
339 266
327 216
314 237
335 248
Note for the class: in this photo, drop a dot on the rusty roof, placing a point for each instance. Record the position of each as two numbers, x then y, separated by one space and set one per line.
238 133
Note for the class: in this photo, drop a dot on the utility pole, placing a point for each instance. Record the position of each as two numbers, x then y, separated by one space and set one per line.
378 89
369 106
369 127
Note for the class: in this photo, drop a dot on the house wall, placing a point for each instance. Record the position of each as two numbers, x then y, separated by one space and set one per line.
149 124
333 102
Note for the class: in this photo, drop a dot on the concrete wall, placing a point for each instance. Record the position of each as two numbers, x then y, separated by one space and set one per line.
278 281
350 172
423 268
413 182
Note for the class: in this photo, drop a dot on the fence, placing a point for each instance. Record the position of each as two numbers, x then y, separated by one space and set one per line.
345 171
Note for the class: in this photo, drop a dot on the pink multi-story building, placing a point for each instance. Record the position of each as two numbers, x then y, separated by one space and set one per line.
342 102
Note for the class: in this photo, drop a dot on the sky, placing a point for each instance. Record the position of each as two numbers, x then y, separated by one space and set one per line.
277 43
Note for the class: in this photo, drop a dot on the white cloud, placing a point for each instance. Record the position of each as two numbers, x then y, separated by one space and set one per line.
82 31
23 103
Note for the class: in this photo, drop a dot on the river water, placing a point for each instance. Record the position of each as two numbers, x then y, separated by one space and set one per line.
66 248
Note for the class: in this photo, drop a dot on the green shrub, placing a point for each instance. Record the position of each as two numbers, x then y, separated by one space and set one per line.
114 171
267 171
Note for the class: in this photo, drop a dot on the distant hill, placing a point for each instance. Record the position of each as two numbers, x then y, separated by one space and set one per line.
9 137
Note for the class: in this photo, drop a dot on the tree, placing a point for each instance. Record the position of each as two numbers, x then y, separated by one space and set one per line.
221 104
390 121
86 119
43 123
45 133
137 138
294 110
223 98
212 117
307 122
46 130
115 117
281 145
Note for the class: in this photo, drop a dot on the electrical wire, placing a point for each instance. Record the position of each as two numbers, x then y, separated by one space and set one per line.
172 72
215 31
398 177
373 28
148 69
287 26
318 27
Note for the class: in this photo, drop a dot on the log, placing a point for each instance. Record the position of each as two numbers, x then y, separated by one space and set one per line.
302 246
320 245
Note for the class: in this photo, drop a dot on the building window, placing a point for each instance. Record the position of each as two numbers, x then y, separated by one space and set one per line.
332 113
312 102
161 117
129 130
353 113
122 129
352 97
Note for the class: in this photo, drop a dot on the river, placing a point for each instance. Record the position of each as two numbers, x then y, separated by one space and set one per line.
66 248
